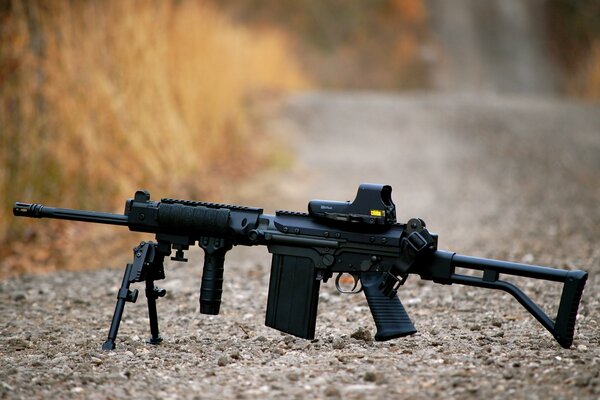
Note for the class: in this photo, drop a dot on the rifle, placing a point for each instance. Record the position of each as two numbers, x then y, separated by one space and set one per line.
360 238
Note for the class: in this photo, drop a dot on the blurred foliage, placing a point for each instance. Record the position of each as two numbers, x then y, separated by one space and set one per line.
574 30
100 98
349 44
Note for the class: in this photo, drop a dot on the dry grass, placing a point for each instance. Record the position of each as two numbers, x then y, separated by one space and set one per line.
587 80
99 98
574 38
375 44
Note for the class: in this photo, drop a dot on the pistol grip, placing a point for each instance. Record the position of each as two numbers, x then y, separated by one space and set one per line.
391 319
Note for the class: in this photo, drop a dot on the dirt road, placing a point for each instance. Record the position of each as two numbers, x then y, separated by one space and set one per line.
506 177
497 46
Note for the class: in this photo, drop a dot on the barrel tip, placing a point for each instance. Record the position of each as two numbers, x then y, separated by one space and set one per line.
27 210
20 209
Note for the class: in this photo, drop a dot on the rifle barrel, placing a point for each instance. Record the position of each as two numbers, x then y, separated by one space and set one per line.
40 211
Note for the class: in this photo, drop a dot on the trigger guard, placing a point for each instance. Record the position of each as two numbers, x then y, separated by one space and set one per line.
351 291
356 282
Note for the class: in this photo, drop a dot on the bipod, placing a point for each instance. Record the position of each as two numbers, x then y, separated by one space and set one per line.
148 259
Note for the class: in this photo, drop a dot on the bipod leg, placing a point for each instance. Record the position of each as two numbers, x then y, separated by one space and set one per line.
123 296
152 293
154 272
143 268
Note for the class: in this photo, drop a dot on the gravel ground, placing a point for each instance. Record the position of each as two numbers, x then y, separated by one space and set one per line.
505 177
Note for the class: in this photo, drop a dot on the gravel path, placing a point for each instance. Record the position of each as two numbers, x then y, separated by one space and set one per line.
495 46
513 178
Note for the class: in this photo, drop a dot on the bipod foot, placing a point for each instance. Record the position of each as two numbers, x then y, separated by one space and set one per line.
109 345
154 340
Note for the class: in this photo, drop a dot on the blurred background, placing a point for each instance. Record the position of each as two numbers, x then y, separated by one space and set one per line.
101 97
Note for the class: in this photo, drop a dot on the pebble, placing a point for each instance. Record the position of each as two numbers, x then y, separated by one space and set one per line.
59 360
96 360
221 347
19 344
293 376
528 258
373 377
339 344
582 380
19 296
289 340
279 351
362 334
332 391
222 361
7 386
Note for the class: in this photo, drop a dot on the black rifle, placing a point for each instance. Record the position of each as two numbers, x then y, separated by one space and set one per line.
360 238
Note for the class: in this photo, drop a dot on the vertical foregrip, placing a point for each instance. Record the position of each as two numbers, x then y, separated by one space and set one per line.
564 327
391 319
212 283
